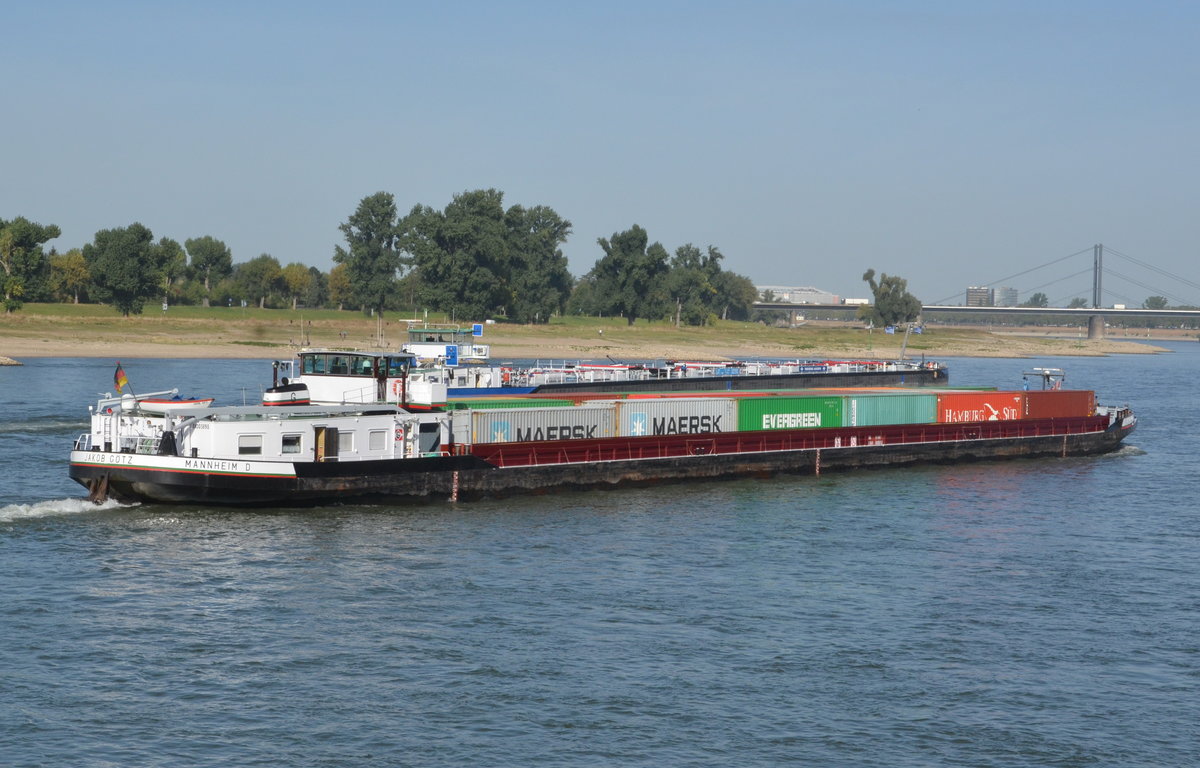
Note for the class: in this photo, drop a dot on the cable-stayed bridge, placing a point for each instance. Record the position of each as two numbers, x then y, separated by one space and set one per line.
1104 302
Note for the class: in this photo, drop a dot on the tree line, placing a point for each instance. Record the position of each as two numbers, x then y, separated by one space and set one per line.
472 259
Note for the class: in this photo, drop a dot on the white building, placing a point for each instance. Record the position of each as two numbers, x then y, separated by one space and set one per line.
799 295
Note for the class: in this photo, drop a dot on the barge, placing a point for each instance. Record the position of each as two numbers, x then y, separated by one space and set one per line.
415 448
453 355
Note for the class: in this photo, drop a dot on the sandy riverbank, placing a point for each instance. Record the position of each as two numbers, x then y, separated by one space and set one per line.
548 343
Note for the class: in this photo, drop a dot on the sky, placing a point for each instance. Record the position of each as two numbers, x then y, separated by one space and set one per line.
950 143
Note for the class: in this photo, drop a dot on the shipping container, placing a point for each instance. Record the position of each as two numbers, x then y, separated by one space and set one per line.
1059 403
881 408
678 416
789 412
955 407
512 425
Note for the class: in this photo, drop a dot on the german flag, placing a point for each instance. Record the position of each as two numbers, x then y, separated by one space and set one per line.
119 377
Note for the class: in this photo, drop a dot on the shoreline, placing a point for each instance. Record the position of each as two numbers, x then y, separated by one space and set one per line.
93 331
572 347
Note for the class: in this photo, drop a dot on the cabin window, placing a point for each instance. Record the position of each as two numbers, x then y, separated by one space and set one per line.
291 443
339 364
345 442
314 363
250 445
361 366
376 440
396 366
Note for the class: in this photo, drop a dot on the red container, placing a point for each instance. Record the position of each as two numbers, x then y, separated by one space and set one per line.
1059 403
956 407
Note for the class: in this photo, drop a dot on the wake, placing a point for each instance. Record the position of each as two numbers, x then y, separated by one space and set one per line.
54 508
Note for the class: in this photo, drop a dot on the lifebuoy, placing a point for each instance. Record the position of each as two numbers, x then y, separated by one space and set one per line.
506 376
396 387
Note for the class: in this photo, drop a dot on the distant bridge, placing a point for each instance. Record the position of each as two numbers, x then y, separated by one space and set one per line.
946 309
1094 315
1094 318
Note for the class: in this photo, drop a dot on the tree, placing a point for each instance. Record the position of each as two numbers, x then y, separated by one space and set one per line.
211 260
1078 303
297 280
476 259
1155 302
340 292
629 277
893 303
373 262
318 288
172 262
124 266
69 274
1037 300
736 295
21 257
540 280
462 255
258 278
689 284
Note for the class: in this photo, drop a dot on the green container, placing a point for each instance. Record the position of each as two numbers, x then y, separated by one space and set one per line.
484 404
876 409
755 413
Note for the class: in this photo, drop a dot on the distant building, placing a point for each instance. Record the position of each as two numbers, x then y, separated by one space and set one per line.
799 295
1006 296
981 297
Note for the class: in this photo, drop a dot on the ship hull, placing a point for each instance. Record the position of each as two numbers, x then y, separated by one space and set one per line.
499 469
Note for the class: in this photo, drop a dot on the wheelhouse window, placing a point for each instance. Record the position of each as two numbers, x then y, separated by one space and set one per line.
360 365
250 445
397 366
291 443
314 364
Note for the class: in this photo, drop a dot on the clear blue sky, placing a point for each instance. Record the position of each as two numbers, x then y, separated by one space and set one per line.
953 143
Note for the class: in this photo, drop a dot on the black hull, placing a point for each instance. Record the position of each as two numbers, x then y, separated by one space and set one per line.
923 377
521 468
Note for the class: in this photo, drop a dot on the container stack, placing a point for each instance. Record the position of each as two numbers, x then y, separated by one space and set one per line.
522 419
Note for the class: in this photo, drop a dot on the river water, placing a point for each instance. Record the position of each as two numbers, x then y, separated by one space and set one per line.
1028 613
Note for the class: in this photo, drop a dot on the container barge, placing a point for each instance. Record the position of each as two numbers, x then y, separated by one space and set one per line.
454 355
281 453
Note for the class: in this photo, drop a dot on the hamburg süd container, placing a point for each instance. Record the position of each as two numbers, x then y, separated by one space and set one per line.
789 412
676 416
956 407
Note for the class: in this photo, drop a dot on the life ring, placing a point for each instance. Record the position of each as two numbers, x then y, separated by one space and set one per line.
396 387
506 376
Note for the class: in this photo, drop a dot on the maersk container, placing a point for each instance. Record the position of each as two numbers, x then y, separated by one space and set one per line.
788 412
956 407
880 408
513 425
1059 403
676 416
